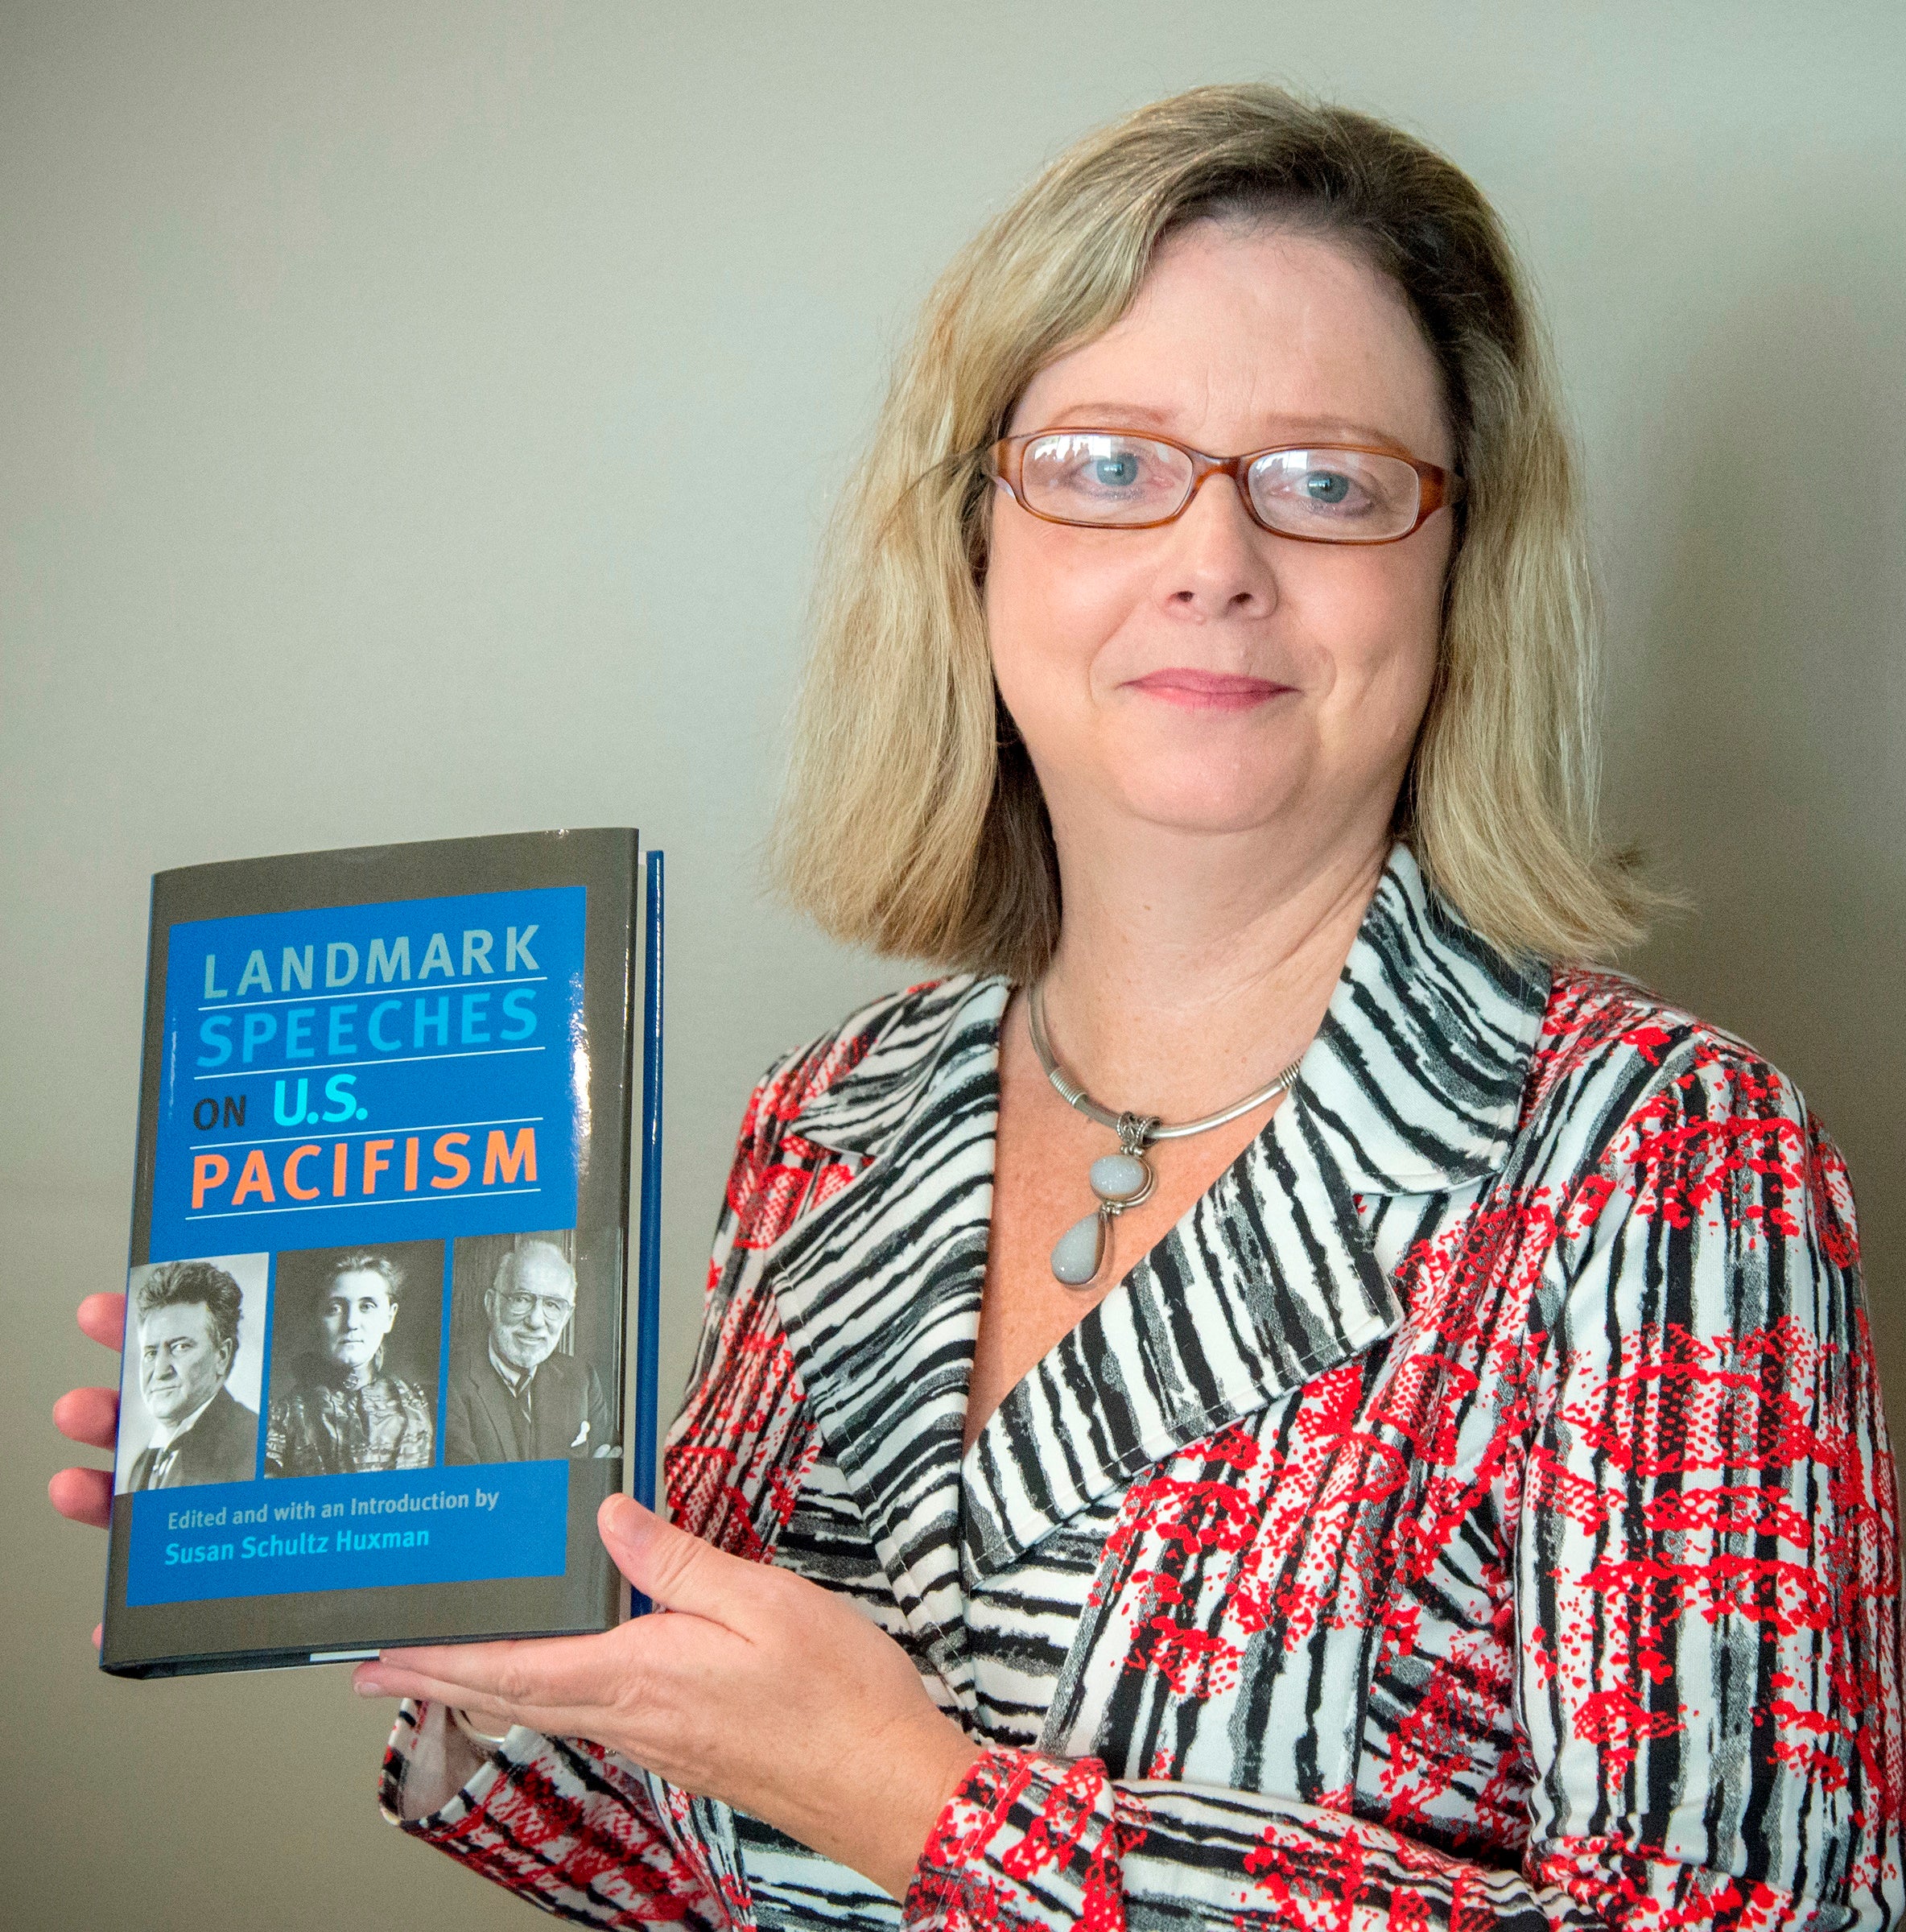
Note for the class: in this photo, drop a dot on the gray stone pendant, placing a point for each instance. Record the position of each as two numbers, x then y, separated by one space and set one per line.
1121 1181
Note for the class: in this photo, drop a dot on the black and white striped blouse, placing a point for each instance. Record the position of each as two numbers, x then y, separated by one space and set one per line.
1476 1509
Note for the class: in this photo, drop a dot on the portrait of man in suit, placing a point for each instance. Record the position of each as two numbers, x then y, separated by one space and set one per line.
188 1316
513 1397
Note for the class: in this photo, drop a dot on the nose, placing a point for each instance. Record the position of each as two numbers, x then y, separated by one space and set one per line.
1219 563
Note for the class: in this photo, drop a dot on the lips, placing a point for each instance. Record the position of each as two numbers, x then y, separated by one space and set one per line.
1207 690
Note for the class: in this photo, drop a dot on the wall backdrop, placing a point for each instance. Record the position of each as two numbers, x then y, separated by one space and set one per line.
377 379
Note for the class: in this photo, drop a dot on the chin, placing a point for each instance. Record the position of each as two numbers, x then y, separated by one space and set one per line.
1195 798
1204 780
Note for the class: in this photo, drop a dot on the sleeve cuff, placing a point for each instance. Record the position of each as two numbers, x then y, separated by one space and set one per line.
435 1772
1024 1838
560 1822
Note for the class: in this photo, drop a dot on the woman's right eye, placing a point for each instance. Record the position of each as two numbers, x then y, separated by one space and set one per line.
1092 465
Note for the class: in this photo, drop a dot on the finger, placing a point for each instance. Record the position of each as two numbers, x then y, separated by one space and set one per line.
374 1680
548 1673
85 1495
103 1318
99 1642
90 1416
494 1712
677 1570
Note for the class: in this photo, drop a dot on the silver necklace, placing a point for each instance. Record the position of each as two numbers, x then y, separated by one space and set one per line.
1124 1179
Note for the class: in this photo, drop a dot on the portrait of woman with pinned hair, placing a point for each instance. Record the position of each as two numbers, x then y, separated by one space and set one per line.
349 1395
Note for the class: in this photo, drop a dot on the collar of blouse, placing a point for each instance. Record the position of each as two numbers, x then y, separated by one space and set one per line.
1412 1086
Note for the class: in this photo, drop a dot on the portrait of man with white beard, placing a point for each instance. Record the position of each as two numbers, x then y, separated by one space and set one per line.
513 1396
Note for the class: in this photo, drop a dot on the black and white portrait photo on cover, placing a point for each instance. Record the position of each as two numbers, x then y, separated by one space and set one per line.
528 1328
188 1402
354 1360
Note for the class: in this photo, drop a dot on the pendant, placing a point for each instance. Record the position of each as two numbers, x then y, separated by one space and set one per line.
1121 1181
1080 1251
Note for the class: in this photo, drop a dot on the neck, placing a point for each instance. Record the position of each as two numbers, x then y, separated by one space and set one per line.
1191 970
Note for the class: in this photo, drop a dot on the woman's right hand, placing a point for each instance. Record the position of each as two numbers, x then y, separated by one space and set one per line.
90 1415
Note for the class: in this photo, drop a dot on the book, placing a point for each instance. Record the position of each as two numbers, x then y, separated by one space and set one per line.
372 1392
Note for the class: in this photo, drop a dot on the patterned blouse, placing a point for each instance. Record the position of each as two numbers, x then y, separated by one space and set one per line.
1476 1511
320 1426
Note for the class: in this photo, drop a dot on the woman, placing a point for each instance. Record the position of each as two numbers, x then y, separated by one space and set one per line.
1445 1481
342 1409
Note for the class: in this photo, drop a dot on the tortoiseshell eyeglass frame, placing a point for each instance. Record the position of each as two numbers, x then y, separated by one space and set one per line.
1436 488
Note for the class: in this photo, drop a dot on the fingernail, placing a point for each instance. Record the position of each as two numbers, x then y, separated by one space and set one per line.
368 1687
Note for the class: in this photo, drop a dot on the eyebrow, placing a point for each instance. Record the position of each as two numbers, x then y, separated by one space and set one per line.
1139 415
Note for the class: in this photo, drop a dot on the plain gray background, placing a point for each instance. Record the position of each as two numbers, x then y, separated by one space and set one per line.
416 419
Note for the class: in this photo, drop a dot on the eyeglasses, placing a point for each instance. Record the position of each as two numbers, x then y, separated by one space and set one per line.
516 1305
1318 492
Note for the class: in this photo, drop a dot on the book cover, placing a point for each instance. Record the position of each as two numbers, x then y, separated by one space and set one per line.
372 1390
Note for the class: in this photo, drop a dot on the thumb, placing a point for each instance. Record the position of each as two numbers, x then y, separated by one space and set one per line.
670 1567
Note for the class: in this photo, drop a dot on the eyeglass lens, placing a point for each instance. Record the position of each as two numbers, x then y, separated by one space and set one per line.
555 1308
1094 477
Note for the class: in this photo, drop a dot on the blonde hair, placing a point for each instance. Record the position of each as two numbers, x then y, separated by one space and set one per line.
913 822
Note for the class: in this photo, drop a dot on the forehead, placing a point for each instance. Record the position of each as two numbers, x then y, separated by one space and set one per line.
175 1319
542 1273
1246 335
355 1285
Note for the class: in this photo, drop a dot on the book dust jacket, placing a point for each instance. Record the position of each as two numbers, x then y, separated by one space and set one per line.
373 1386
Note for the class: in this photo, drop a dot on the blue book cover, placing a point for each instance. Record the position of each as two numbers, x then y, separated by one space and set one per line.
372 1390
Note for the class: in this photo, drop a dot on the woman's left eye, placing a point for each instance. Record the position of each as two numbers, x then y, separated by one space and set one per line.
1326 486
1117 472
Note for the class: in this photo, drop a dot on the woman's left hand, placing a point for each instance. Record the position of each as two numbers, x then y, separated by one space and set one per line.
758 1688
